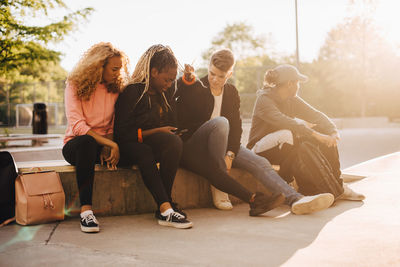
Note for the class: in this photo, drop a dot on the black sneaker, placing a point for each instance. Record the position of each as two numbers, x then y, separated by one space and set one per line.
89 224
175 206
263 203
174 219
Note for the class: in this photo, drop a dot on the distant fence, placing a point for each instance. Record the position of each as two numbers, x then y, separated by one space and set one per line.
16 102
55 114
21 115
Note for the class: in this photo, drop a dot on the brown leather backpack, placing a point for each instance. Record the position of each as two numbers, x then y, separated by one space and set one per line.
39 198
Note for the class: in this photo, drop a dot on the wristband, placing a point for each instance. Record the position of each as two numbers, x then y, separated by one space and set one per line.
188 82
139 135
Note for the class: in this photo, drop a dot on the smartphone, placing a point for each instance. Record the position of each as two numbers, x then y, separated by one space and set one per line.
180 131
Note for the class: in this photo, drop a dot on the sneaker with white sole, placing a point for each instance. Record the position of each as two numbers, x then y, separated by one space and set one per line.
310 204
349 194
89 223
175 206
174 219
220 199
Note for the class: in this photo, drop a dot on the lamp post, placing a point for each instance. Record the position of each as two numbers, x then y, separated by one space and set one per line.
297 36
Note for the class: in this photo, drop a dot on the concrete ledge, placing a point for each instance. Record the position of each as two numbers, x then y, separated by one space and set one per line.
380 165
59 166
122 192
44 153
37 139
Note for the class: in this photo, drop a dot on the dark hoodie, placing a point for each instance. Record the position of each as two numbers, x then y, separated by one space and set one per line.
271 114
132 114
195 104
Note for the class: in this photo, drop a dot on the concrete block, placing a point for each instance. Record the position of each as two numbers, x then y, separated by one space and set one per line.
123 192
114 193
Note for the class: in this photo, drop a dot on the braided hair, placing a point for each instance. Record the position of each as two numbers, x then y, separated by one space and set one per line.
157 56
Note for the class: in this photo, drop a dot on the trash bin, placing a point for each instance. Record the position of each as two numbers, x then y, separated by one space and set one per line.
39 119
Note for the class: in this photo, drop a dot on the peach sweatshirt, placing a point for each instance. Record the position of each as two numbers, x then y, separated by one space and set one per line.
96 114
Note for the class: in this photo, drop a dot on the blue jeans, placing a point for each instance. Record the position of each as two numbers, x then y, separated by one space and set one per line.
212 139
262 170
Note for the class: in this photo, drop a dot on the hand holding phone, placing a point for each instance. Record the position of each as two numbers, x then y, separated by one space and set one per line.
180 131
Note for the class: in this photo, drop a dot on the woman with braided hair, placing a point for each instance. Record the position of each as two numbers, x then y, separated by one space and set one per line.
144 130
92 89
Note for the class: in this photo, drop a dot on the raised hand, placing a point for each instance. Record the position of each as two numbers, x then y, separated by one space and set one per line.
189 73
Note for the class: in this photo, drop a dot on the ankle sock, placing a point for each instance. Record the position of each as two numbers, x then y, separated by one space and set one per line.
167 212
86 213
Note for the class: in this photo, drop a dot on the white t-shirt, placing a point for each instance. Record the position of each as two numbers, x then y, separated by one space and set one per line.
217 106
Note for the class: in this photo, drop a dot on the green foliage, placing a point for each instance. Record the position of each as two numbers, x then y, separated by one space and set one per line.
354 72
28 68
22 44
238 37
249 72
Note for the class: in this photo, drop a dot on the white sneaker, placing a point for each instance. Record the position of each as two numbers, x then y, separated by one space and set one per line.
310 204
220 199
349 194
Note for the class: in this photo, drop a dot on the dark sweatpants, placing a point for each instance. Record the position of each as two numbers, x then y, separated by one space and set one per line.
283 157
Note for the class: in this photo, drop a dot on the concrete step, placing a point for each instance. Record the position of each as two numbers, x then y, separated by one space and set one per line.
122 191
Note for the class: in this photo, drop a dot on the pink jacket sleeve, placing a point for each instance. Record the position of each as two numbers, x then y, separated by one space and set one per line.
74 113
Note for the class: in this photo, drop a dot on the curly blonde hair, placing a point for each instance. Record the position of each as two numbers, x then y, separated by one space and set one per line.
88 72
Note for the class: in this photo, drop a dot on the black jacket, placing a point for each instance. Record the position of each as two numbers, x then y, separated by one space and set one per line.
195 104
130 115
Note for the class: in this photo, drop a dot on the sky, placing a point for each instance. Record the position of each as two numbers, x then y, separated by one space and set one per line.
188 27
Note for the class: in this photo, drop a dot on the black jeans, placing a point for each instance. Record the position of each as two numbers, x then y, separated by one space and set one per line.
164 148
83 152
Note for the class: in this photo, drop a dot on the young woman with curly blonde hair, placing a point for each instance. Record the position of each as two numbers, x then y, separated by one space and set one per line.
92 89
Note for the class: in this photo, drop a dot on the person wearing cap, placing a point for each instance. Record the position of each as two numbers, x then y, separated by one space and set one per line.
209 108
280 116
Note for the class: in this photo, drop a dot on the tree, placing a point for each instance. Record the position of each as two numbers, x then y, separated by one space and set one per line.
238 37
24 56
20 43
355 68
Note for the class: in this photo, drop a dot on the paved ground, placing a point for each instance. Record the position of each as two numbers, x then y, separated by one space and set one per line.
347 234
